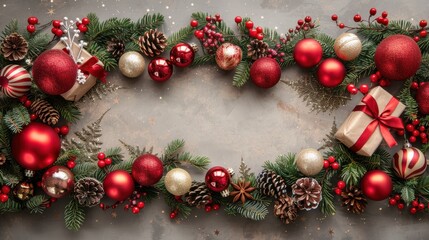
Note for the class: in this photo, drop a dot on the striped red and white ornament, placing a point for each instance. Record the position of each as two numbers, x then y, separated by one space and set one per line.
15 81
409 162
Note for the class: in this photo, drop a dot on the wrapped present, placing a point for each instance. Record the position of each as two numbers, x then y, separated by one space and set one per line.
371 121
90 70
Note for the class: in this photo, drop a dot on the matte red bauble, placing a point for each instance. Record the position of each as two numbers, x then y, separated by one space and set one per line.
217 179
36 147
147 169
228 56
57 181
307 53
54 72
331 73
265 72
118 185
397 57
376 185
422 97
182 55
160 69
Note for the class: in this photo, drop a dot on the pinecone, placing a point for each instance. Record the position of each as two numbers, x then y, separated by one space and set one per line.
307 193
354 200
45 111
285 209
116 47
88 191
199 195
257 49
152 43
271 184
14 47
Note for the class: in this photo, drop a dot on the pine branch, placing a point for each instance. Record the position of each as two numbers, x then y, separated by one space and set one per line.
66 155
352 173
244 171
115 154
253 210
180 36
423 185
408 194
5 137
100 51
242 74
16 118
10 206
329 140
271 36
423 72
10 28
84 169
406 98
37 44
285 167
148 22
203 60
183 209
36 203
173 157
67 109
377 32
101 32
135 151
327 43
9 178
327 203
74 215
199 162
174 147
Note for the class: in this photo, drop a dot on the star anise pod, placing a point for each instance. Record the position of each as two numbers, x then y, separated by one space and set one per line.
242 191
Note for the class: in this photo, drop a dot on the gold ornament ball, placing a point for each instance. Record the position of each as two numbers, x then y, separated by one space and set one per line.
132 64
347 46
178 181
309 161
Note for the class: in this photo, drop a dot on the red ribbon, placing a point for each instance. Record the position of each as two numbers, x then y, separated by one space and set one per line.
90 67
383 120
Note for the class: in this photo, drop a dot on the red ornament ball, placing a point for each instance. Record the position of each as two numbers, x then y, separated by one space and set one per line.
409 162
228 56
376 185
57 181
54 72
217 179
265 72
307 53
36 147
182 55
397 57
422 98
147 169
15 81
160 69
118 185
331 73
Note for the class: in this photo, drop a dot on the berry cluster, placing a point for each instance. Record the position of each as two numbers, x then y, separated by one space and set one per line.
257 33
352 89
135 202
382 19
422 31
4 193
377 78
340 187
57 25
209 35
331 163
103 161
416 131
32 22
415 206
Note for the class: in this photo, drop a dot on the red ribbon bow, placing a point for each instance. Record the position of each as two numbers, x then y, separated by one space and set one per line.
90 67
383 120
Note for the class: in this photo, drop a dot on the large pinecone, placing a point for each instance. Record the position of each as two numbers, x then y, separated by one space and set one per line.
152 43
45 111
285 209
354 200
257 49
88 191
271 184
14 47
199 195
116 47
307 193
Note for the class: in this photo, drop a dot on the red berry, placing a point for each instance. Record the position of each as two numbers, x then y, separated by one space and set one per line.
27 103
373 78
412 139
354 91
57 130
424 140
238 19
341 184
416 38
5 189
392 202
4 198
59 32
331 159
259 29
23 99
31 28
400 206
249 24
194 23
178 198
85 21
253 33
33 117
83 28
71 164
372 11
416 133
400 132
384 14
380 20
409 127
415 203
54 30
414 85
397 197
423 23
208 208
326 164
335 166
416 121
52 199
199 34
135 210
337 191
421 206
385 21
307 19
378 73
217 16
350 87
216 206
140 205
108 161
33 20
101 156
172 215
101 205
260 36
64 130
357 18
300 22
364 89
413 210
341 25
334 17
422 128
423 33
101 163
423 135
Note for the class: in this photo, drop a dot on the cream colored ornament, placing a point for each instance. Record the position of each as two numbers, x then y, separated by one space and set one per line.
309 161
132 64
178 181
347 46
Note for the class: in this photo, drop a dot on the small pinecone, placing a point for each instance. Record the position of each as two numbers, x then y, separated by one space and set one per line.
285 209
257 49
271 184
354 200
199 195
88 191
307 193
116 47
14 47
45 111
152 43
2 159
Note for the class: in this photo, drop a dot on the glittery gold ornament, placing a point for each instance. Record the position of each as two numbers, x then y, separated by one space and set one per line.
347 46
23 191
309 161
132 64
178 181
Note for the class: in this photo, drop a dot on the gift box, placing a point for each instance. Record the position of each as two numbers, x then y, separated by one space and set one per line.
371 121
90 66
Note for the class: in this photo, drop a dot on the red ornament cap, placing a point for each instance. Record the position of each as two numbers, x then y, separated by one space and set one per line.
217 179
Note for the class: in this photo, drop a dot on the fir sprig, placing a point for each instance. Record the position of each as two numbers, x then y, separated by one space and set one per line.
242 74
74 215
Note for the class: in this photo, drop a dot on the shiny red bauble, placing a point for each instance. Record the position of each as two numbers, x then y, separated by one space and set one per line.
217 179
147 169
331 73
57 181
397 57
36 147
160 69
265 72
118 185
228 56
376 185
182 55
307 53
422 98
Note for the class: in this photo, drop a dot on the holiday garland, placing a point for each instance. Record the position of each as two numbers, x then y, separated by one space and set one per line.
34 178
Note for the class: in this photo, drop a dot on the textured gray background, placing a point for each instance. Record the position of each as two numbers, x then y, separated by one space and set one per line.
216 120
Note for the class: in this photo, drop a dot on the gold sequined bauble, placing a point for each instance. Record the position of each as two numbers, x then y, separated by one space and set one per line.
347 46
178 181
309 161
132 64
24 191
